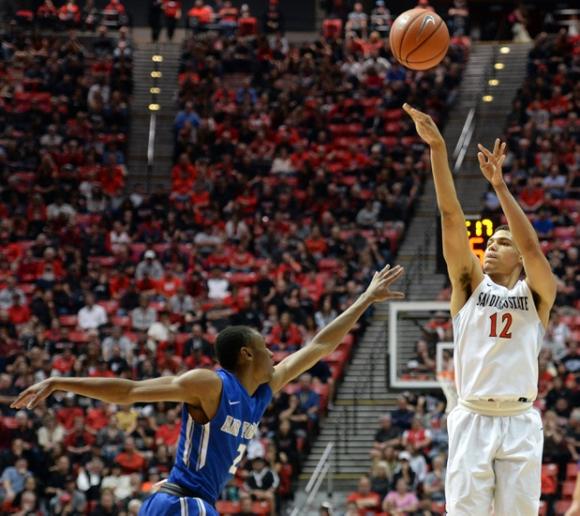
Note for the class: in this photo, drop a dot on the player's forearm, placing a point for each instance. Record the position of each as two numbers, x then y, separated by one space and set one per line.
447 200
333 333
522 230
110 390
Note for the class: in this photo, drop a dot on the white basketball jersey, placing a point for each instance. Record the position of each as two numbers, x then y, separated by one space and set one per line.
498 337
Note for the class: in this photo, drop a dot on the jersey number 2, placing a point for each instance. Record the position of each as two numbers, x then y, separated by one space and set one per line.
506 319
234 466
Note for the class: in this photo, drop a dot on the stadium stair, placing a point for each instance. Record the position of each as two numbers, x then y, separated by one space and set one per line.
362 396
140 114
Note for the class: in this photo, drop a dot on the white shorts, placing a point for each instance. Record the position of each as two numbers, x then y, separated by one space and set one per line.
494 461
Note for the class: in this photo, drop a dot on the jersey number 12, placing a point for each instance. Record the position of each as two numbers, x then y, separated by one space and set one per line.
506 320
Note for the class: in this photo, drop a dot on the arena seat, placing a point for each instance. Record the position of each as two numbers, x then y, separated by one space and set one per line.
571 471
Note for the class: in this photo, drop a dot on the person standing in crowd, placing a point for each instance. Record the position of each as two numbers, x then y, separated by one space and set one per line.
155 19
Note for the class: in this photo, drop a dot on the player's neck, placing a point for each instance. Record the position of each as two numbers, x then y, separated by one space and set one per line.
506 280
247 382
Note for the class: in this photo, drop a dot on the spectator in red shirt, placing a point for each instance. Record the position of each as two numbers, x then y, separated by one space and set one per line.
316 243
66 415
366 501
116 6
169 284
172 10
112 176
130 460
200 14
228 16
46 14
79 441
18 313
286 335
64 362
168 433
183 176
70 13
531 197
417 437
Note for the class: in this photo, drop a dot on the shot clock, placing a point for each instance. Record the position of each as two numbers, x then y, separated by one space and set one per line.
479 229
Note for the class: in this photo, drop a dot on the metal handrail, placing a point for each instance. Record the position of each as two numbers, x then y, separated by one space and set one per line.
320 472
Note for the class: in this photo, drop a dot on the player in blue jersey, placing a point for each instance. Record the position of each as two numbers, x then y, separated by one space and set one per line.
221 409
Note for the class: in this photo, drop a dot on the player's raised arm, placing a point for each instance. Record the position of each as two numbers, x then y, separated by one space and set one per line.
538 271
328 339
194 387
463 267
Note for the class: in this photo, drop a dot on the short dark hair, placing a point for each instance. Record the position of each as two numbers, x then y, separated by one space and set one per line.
503 227
229 343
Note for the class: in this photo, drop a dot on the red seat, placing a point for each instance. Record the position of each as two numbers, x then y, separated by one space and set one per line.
568 489
68 320
438 507
226 507
79 337
110 306
261 508
571 471
124 321
562 506
247 26
338 356
565 233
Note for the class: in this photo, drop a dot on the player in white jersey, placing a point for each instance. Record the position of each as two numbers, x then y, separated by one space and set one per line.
495 435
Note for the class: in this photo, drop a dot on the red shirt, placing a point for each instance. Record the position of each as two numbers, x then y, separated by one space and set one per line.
18 314
97 418
115 5
203 14
316 245
63 363
172 8
374 497
66 416
168 286
118 284
182 178
130 462
167 434
112 178
67 12
290 336
531 197
79 439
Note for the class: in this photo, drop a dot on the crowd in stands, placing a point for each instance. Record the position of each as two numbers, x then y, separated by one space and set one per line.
542 170
342 21
70 15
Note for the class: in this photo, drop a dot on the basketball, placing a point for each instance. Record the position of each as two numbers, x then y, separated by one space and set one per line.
419 39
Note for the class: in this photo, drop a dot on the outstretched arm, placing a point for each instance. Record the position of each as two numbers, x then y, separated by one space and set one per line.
463 267
328 339
538 270
199 388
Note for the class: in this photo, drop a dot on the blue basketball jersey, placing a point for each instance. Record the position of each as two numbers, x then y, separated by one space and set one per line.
208 455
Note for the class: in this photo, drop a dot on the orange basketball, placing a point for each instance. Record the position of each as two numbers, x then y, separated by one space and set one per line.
419 39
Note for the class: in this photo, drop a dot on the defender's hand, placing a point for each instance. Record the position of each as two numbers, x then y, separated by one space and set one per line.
379 288
425 126
491 163
36 393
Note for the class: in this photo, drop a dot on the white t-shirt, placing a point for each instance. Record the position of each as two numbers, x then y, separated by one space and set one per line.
92 318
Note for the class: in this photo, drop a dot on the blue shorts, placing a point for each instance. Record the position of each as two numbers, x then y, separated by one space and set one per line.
164 504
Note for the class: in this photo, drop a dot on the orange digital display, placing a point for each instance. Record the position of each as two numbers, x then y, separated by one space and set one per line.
478 231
